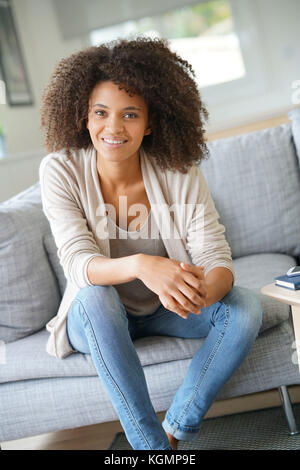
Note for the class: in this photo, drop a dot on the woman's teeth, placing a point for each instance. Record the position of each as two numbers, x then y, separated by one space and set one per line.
109 141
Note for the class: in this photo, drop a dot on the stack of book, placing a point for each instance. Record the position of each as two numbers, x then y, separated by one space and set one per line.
289 282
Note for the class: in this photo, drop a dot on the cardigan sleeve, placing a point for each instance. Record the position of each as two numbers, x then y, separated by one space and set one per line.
205 236
75 242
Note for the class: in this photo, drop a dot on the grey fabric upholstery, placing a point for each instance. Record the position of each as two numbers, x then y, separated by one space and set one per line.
255 182
294 116
29 293
151 351
32 407
51 250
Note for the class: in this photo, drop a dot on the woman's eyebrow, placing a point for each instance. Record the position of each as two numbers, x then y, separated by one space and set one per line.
124 109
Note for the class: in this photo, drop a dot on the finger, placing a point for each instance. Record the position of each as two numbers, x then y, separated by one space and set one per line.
198 286
179 311
196 270
194 295
186 304
192 267
173 306
196 283
193 278
188 265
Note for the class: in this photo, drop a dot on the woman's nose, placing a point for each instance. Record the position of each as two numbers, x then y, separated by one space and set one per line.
114 124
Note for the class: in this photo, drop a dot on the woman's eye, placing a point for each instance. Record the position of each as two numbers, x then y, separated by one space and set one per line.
128 115
132 115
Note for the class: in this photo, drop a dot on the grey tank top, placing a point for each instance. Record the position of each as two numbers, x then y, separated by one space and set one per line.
136 297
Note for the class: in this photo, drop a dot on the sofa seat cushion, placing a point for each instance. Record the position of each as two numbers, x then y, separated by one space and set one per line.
256 271
37 363
251 271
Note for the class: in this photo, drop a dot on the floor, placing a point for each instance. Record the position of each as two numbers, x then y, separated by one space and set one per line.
99 436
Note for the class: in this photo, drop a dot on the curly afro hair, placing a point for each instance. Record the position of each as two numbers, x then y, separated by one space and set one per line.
143 65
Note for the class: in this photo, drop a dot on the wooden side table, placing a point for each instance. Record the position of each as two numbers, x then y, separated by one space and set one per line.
292 298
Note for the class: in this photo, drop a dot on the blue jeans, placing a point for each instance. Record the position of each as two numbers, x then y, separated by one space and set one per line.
98 324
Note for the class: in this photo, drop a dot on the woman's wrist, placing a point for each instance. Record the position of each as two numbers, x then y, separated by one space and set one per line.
138 262
104 271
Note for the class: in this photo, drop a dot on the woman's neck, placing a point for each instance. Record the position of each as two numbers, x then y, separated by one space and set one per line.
120 176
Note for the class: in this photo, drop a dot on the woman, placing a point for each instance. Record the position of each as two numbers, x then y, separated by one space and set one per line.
124 125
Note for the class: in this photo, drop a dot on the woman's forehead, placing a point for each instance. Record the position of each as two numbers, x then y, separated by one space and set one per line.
106 92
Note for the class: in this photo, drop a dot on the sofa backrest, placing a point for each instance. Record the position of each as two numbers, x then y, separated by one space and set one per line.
294 116
254 180
29 287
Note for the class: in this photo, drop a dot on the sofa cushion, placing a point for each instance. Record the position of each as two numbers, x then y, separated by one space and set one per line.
254 271
255 183
29 292
294 116
51 250
37 363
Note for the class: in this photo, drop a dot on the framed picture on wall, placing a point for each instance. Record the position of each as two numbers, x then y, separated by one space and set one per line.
12 65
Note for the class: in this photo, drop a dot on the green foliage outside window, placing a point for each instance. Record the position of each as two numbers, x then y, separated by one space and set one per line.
188 21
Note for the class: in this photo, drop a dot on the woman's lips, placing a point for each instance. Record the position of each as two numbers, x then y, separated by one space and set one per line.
110 145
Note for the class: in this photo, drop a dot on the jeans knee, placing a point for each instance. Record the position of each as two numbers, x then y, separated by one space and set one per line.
88 292
100 299
246 308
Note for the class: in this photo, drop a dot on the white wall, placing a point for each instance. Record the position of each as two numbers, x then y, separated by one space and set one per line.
17 174
43 47
269 36
271 26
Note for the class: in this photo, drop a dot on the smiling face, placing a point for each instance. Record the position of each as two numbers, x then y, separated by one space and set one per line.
117 122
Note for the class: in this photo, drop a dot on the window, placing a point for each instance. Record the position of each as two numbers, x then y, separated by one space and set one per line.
236 48
11 60
203 34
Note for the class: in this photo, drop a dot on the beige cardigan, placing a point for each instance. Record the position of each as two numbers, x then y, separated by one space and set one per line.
73 203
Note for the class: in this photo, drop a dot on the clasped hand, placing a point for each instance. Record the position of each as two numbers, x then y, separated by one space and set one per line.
180 287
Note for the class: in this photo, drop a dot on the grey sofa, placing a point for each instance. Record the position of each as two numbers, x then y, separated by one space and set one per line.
255 182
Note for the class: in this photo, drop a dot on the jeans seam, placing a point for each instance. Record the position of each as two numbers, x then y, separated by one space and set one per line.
114 384
204 370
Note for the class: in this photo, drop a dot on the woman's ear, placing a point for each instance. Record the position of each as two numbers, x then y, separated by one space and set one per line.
148 131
